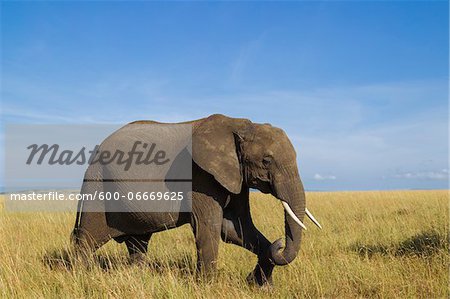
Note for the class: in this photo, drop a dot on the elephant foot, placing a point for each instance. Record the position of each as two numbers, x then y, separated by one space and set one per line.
137 258
206 271
260 278
206 277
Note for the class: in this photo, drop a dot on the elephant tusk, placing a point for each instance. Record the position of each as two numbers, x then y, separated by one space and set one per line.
291 213
313 219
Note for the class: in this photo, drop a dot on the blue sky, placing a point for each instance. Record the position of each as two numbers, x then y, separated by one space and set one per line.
360 87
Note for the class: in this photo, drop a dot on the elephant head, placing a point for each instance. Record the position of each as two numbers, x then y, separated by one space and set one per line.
241 154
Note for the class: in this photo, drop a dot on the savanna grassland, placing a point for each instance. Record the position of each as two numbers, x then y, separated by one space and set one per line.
373 245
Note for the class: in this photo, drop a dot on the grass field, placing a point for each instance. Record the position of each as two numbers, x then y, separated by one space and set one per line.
373 244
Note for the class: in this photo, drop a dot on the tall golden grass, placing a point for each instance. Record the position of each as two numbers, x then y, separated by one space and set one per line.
373 245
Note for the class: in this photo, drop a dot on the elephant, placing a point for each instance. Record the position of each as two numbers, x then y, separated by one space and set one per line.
229 157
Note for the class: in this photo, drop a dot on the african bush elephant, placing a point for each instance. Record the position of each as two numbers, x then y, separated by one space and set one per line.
229 156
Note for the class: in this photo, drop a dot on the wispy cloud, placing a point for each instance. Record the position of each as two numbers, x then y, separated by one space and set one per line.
240 63
319 177
108 99
426 175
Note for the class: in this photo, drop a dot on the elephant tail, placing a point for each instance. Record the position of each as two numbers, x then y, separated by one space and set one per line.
93 173
75 232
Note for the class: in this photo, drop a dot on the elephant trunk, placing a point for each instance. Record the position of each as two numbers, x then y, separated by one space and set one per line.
292 194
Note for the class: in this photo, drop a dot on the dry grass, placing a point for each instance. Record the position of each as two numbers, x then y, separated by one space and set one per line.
374 244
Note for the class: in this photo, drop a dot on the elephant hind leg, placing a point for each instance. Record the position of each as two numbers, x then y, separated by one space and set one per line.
92 233
91 229
137 246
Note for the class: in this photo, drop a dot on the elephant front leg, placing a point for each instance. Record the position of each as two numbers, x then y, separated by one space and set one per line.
242 232
207 242
262 274
206 224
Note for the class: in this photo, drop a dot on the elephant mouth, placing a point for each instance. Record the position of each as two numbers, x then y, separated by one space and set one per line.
263 186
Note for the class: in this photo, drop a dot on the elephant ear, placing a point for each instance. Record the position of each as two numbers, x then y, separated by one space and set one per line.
214 150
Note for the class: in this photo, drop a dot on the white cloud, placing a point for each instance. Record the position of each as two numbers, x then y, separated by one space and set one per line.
319 177
426 175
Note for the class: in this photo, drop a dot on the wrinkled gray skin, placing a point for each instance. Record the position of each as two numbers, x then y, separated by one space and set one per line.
246 155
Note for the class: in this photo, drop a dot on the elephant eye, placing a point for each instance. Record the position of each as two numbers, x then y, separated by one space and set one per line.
267 160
